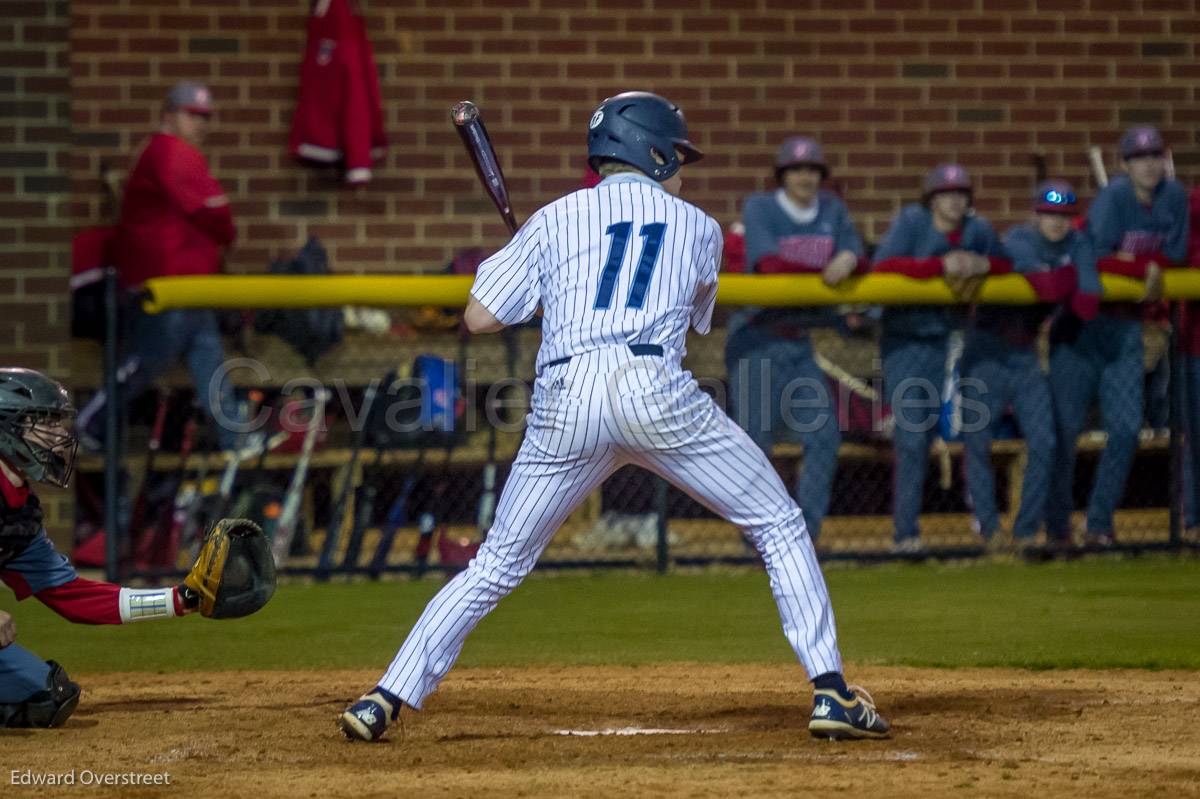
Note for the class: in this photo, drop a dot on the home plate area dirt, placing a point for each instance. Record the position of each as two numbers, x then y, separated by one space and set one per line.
667 730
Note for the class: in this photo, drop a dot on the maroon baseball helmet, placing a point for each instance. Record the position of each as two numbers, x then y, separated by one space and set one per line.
1141 140
947 177
800 151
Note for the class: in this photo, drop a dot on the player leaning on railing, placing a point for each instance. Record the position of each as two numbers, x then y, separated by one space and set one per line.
37 445
1138 226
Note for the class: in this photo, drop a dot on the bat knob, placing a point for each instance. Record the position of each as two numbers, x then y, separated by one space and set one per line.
464 112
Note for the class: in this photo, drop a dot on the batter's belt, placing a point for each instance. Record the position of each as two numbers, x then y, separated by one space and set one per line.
637 349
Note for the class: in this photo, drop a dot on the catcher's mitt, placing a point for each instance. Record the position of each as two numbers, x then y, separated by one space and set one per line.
234 574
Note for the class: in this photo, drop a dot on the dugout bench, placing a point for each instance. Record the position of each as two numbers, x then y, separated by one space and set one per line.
364 357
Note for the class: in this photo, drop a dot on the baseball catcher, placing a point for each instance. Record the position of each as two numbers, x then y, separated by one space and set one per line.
233 576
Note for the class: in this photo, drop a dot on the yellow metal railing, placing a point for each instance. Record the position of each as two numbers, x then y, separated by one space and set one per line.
297 291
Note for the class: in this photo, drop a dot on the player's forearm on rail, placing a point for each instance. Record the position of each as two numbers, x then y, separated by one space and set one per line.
479 319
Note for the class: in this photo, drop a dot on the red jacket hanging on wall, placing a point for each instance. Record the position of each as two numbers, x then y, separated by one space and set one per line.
339 118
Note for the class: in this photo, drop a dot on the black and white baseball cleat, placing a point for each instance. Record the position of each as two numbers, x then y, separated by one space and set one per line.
368 719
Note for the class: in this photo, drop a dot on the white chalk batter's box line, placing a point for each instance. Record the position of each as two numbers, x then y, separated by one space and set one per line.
634 731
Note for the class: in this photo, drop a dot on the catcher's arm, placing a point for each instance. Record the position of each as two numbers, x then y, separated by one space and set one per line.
234 574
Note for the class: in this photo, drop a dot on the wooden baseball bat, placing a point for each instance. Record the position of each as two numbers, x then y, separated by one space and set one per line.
1099 173
289 515
471 130
349 491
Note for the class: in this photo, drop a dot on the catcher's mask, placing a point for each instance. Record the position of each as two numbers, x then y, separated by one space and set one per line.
35 426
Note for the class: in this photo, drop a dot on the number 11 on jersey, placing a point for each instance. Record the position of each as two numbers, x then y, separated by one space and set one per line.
653 234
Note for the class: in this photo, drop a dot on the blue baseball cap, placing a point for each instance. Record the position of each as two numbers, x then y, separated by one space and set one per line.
1055 197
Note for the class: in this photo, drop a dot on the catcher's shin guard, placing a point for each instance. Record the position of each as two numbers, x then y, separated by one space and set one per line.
50 707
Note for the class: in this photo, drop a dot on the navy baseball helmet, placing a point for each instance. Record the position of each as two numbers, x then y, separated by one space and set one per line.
643 130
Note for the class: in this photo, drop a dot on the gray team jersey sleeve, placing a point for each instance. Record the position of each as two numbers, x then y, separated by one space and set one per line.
1021 248
847 234
900 239
1083 255
708 266
1104 228
508 283
1175 246
980 237
761 241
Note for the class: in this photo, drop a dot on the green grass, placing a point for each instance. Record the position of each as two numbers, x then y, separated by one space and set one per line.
1103 613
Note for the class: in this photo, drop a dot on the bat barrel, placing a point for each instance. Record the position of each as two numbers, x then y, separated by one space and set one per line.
463 112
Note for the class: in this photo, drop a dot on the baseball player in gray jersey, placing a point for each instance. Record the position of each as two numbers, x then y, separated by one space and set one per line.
621 271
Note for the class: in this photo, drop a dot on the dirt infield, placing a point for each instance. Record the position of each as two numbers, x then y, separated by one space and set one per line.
723 731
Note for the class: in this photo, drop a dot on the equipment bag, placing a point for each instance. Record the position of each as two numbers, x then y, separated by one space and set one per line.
422 410
312 331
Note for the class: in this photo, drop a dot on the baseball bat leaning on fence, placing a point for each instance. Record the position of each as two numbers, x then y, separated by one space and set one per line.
191 528
289 515
349 489
246 441
137 518
953 394
1096 162
397 517
364 509
162 550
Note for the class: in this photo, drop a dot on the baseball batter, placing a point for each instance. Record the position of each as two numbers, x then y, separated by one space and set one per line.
621 271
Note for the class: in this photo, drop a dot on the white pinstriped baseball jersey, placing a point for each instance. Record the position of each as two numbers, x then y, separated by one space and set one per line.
621 270
621 263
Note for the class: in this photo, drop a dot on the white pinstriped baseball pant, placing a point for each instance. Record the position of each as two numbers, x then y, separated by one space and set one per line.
601 411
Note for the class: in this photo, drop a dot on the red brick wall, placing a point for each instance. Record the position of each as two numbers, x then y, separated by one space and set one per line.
35 227
35 224
890 86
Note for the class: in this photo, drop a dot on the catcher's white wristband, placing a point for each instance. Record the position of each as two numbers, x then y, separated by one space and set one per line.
140 604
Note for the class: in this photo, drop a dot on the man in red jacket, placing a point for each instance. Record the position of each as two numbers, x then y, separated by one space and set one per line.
175 220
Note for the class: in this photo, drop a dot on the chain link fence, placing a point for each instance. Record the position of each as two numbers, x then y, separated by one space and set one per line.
419 499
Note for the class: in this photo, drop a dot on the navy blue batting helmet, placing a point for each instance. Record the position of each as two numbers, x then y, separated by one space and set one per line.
643 130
